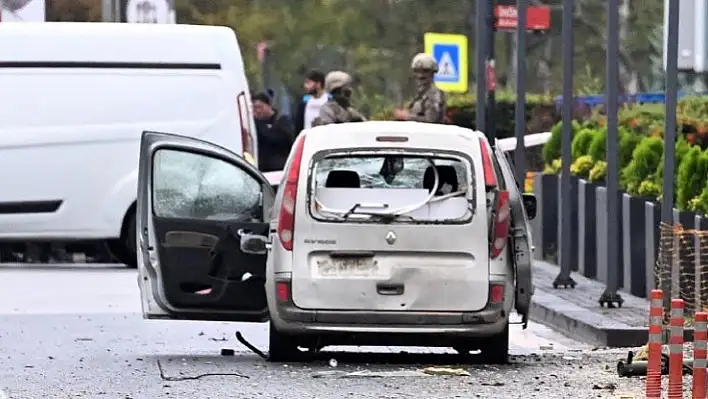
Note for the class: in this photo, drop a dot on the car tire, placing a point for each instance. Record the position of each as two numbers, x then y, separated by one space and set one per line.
495 349
124 248
282 347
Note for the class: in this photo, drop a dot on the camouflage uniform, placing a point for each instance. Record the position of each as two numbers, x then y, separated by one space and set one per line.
429 103
332 112
338 109
427 106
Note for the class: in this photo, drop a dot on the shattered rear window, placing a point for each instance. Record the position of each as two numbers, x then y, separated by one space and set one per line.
394 187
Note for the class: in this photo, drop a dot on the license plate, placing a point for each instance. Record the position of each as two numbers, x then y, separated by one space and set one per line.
346 267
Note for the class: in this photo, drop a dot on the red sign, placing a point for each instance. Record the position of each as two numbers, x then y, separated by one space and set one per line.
537 17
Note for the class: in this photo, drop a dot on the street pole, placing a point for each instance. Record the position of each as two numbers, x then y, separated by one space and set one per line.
107 10
611 296
491 74
667 201
520 115
480 62
564 279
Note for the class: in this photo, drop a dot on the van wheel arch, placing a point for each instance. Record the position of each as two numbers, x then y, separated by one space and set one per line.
124 248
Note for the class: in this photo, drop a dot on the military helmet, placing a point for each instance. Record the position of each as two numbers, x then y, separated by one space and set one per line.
424 62
336 79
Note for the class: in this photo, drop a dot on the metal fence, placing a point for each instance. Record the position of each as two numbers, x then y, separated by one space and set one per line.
682 262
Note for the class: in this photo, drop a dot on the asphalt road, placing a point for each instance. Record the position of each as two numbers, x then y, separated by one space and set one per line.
78 333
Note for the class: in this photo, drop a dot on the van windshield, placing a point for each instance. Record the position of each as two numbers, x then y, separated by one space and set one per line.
393 187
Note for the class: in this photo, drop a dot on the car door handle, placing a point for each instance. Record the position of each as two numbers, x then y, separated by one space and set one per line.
390 289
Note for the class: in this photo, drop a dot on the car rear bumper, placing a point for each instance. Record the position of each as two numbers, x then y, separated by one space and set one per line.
293 320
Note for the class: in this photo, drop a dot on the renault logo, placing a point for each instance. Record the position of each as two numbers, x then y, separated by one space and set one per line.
390 237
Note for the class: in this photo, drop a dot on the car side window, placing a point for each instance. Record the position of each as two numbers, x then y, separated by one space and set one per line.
188 185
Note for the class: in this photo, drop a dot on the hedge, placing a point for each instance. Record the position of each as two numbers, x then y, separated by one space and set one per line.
641 148
541 113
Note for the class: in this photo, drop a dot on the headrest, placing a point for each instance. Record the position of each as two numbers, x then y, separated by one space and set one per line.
343 179
448 179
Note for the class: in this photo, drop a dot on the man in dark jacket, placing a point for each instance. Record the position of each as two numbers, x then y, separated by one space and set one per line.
275 134
312 101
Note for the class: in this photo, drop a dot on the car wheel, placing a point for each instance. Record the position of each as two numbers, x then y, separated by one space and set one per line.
282 347
124 249
495 349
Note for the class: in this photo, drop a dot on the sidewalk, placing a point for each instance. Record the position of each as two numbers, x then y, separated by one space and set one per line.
577 312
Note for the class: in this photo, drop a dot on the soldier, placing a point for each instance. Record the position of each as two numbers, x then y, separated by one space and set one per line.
429 102
338 109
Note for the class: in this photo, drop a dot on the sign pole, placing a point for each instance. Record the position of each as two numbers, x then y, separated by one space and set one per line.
481 63
613 259
520 114
564 190
667 201
491 76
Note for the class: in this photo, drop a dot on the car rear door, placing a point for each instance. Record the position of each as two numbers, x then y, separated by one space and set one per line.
382 266
195 199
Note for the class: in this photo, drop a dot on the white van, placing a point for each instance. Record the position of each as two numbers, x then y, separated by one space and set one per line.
75 99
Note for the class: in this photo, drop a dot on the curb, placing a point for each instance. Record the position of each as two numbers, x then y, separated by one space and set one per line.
594 328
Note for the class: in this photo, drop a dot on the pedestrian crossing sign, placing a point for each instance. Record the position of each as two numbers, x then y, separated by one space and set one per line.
450 52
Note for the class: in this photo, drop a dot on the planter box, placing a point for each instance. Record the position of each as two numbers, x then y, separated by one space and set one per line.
587 235
634 252
545 225
572 234
602 234
652 220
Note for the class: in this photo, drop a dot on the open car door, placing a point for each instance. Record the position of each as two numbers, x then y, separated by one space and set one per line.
195 200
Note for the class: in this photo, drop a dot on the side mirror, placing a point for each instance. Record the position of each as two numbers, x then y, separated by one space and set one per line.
530 205
254 244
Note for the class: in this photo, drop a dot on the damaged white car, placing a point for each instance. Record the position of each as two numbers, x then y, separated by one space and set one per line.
381 233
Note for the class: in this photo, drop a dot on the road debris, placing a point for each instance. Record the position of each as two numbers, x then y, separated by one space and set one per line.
446 371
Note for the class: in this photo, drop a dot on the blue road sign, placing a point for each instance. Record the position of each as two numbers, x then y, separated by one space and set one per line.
450 52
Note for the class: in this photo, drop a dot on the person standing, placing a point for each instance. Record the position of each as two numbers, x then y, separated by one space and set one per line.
339 109
315 97
275 134
429 103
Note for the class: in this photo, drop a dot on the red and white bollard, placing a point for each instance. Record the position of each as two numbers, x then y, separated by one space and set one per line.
700 353
656 321
676 350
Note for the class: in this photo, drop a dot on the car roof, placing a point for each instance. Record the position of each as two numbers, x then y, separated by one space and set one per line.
421 135
115 42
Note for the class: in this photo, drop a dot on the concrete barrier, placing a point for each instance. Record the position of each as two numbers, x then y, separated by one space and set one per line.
634 250
587 236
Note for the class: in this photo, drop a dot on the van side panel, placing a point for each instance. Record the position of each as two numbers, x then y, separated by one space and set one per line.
72 135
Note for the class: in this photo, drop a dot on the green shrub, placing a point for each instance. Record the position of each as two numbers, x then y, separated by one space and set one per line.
649 189
598 172
691 176
553 168
582 166
700 203
645 160
598 144
552 148
581 143
628 141
682 147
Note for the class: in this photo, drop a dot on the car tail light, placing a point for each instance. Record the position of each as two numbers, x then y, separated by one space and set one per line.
286 218
501 224
244 114
496 293
282 291
490 178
